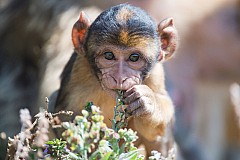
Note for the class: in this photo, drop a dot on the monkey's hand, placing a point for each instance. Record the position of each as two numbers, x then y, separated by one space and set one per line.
140 100
152 111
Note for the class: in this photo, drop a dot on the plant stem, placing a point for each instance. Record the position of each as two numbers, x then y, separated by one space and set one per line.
119 118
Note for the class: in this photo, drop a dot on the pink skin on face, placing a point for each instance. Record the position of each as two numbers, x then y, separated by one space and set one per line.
119 71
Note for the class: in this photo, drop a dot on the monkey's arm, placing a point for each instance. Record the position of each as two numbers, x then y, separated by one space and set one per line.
151 113
150 105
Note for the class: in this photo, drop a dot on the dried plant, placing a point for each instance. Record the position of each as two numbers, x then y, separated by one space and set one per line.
24 136
31 141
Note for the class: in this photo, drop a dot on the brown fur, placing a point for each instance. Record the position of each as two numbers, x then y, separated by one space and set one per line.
123 15
90 91
124 37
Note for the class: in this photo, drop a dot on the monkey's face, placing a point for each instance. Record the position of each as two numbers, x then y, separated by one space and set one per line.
120 67
122 45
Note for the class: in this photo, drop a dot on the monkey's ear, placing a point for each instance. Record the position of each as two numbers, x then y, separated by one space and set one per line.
79 31
169 37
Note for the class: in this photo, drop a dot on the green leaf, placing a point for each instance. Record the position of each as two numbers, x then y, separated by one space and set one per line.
72 155
129 156
94 155
106 157
50 142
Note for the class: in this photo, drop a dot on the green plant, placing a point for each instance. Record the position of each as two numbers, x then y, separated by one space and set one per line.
120 115
88 137
85 138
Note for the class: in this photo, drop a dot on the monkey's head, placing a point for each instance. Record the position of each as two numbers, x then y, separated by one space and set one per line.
123 44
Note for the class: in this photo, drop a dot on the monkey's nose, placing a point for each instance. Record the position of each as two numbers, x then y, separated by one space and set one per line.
120 82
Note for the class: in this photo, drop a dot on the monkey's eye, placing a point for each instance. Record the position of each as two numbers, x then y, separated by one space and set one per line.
134 57
109 55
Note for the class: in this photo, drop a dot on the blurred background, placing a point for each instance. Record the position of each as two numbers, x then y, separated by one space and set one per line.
35 44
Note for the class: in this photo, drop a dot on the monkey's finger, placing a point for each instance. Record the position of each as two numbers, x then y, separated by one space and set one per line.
133 106
132 97
128 92
138 112
139 109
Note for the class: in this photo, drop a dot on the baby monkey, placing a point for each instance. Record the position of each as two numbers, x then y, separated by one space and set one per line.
123 49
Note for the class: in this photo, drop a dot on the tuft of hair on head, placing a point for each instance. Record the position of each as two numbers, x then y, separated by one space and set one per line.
124 14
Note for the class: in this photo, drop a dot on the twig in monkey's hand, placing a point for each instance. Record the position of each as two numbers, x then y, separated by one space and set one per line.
120 115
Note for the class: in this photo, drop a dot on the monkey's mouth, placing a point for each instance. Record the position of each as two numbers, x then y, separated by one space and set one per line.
114 90
120 93
114 93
